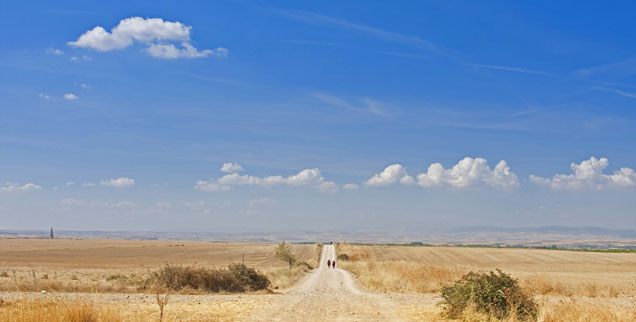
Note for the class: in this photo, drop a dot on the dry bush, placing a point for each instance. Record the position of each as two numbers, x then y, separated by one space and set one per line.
236 278
56 311
495 294
599 310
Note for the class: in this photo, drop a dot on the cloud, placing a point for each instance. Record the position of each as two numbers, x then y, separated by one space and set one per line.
230 167
154 32
188 51
516 69
390 175
85 86
615 91
44 96
70 96
307 177
119 182
15 187
55 51
83 57
88 184
468 172
368 105
317 19
350 186
588 175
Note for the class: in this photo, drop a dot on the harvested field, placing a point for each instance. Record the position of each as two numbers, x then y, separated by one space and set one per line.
92 265
422 269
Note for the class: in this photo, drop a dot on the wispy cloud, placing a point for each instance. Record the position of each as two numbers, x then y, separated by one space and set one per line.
615 91
415 41
368 105
626 66
516 69
553 107
318 19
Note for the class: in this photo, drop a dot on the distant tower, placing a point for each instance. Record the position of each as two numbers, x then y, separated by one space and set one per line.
51 236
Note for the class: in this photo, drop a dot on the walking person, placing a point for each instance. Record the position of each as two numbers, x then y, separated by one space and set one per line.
334 263
329 263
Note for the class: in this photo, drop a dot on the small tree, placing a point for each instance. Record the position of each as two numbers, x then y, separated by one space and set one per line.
284 252
162 301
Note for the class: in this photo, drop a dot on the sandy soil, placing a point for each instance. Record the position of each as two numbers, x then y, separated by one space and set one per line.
328 294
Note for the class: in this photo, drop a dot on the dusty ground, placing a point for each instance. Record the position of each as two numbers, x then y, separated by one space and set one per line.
93 265
328 294
323 294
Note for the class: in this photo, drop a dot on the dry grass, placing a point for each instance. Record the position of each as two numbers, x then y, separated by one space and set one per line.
106 266
401 276
541 272
56 311
587 310
72 308
569 286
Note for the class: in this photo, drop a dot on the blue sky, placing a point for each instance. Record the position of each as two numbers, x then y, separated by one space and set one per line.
380 116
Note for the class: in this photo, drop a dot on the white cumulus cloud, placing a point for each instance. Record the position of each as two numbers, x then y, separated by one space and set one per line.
15 187
154 32
70 96
469 172
390 175
230 167
307 177
119 182
466 173
45 96
588 175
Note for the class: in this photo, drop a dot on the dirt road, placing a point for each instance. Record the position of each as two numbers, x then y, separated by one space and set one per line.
328 294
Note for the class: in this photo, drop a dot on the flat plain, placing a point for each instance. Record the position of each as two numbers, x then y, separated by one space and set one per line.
387 283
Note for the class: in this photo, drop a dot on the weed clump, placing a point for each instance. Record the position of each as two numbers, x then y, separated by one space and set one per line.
235 278
496 294
343 257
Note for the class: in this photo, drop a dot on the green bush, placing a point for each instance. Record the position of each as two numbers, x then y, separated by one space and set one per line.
343 257
496 294
236 278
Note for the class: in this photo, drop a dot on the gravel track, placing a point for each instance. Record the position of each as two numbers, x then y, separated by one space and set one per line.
328 294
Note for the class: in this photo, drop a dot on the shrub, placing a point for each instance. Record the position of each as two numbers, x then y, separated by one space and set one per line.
236 278
493 293
343 257
249 277
284 252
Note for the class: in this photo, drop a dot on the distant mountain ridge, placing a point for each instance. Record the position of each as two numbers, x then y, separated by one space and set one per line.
596 231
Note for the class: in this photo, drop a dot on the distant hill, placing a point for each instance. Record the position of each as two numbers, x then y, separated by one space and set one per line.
582 231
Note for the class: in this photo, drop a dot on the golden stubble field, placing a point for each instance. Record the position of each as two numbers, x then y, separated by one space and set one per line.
93 265
90 275
568 285
101 278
